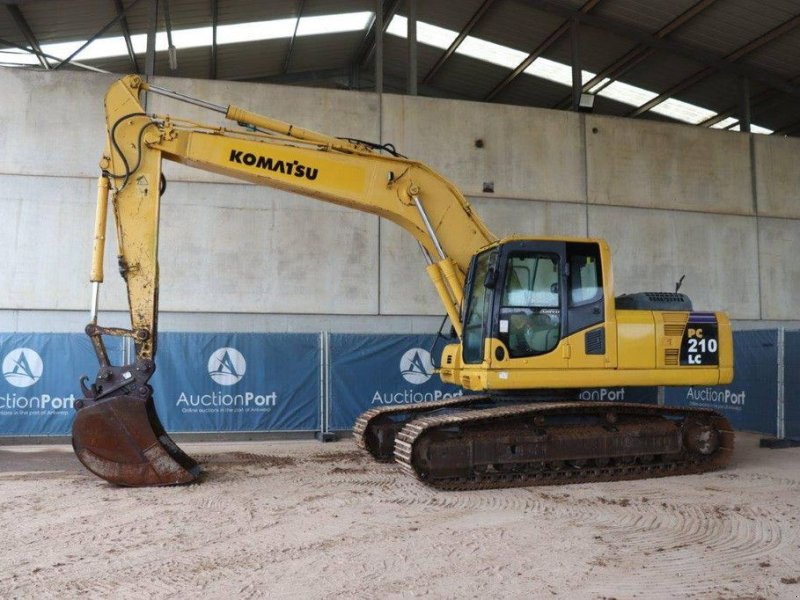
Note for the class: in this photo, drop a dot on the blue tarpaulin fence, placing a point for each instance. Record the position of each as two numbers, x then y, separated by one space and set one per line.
226 382
39 383
381 370
238 382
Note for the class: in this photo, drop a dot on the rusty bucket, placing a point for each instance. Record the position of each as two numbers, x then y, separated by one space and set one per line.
121 439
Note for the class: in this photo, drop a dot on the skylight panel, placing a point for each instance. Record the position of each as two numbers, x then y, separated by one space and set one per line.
626 93
555 71
13 57
252 32
342 23
200 37
725 123
683 111
428 34
598 85
490 52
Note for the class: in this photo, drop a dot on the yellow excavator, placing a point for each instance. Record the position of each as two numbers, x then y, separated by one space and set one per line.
536 318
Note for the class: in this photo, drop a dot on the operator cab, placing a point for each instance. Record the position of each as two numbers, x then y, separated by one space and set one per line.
530 294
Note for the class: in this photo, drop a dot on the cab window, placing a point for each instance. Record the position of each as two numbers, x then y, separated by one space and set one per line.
585 284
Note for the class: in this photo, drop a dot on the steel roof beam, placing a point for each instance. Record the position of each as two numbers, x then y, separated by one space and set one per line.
288 58
214 23
476 17
639 53
540 49
643 37
105 28
23 26
152 29
575 56
745 105
367 47
380 27
730 58
126 32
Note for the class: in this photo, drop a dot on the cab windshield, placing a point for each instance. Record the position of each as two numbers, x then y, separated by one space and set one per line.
479 299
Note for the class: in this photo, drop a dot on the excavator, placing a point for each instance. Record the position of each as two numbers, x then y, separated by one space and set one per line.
534 319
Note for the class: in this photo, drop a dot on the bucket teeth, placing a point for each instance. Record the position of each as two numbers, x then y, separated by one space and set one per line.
121 439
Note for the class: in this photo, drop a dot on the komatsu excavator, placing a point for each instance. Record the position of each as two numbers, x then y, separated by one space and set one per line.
534 317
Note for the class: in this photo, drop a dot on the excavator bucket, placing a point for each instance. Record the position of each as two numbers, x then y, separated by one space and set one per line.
122 440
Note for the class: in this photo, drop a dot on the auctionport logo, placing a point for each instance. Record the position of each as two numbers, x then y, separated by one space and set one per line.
226 366
22 367
416 366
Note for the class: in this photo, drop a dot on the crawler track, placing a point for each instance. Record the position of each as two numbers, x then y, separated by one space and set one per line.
375 429
461 445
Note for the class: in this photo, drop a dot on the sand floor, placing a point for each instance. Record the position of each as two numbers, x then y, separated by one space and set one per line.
311 520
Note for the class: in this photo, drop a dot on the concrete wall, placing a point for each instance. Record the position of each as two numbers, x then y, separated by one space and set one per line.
721 207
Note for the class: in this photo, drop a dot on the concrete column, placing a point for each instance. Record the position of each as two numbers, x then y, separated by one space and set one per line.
412 47
744 105
577 84
150 56
378 46
152 26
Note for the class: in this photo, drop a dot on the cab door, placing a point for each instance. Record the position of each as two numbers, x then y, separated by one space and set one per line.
529 301
589 335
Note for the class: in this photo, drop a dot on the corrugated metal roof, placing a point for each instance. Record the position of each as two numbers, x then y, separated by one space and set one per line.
468 77
778 114
395 54
54 21
643 14
780 56
327 52
251 60
607 32
596 48
660 71
514 23
451 15
714 92
531 91
727 25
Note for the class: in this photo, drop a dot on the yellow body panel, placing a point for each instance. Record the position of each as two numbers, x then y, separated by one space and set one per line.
636 339
640 335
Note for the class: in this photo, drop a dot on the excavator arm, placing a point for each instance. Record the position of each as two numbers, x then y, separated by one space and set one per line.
117 433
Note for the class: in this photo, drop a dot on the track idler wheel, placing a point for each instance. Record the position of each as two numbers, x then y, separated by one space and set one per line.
701 438
121 439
